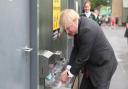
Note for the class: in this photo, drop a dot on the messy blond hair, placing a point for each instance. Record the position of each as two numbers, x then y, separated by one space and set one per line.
68 16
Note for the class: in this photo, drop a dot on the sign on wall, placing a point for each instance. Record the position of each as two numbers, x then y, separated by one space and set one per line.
56 14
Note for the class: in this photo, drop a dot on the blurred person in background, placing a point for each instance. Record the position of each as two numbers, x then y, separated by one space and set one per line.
112 22
97 18
126 31
86 11
91 52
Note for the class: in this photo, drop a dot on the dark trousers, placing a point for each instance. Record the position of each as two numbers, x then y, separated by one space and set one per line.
87 84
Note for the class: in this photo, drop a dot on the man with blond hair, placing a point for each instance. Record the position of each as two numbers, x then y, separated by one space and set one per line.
91 52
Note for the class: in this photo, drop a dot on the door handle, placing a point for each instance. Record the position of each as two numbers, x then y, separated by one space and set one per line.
27 49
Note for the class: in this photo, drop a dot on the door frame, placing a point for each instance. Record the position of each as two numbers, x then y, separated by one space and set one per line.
34 80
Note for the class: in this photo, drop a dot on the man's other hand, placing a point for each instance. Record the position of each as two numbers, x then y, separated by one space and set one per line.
64 76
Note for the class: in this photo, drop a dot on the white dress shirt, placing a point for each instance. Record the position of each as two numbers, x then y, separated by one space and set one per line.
87 14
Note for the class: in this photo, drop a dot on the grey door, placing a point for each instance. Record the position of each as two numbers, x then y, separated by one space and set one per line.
14 36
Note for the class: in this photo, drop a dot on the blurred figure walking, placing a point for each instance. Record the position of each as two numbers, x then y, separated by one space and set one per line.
112 22
126 32
97 17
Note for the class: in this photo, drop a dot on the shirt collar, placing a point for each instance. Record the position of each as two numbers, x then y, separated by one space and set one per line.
87 14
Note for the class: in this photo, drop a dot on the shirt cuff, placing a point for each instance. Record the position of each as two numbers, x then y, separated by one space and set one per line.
68 67
69 73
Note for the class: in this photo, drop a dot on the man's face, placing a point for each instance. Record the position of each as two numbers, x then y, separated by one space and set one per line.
87 7
71 30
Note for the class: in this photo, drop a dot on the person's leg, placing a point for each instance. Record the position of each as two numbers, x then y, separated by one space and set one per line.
86 83
103 86
127 40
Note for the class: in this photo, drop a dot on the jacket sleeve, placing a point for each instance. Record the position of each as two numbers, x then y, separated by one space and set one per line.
86 40
73 52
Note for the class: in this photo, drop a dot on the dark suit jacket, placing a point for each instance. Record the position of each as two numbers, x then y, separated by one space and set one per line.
92 51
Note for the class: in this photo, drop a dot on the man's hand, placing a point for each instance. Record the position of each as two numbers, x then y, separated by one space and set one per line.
64 77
